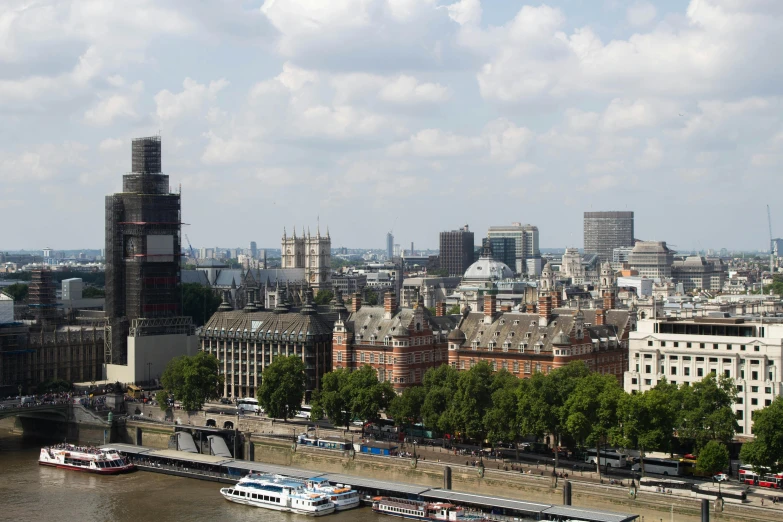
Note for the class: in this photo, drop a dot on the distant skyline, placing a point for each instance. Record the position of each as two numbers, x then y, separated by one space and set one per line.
416 115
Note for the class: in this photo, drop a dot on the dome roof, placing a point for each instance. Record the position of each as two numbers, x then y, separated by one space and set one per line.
456 335
487 269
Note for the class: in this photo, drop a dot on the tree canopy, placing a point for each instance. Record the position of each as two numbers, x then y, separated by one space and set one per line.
199 302
18 291
323 297
346 395
707 411
766 449
193 380
713 458
282 387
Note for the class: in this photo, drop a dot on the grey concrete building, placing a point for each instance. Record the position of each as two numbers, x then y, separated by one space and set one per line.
456 250
605 231
651 259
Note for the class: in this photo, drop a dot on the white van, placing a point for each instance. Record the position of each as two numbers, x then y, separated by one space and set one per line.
27 400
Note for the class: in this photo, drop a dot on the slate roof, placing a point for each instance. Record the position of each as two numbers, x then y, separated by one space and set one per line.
517 327
194 276
267 324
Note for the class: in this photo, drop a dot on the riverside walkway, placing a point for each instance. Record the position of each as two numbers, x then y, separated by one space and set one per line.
229 470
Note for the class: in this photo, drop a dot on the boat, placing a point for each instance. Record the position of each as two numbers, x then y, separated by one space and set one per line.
82 458
417 510
278 494
342 496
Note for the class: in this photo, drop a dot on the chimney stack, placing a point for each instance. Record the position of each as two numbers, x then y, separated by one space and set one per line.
600 317
609 300
544 310
389 304
440 309
356 303
490 307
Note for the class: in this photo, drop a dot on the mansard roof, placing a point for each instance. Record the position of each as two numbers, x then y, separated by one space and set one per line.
516 328
267 323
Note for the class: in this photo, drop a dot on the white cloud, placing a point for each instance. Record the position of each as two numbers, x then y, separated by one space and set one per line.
194 95
465 12
640 13
42 162
110 144
522 170
434 143
110 108
506 141
408 90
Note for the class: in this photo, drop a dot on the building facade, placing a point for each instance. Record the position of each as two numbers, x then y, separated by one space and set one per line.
525 238
572 267
456 250
503 249
697 273
685 351
311 252
247 341
401 344
651 259
389 245
605 231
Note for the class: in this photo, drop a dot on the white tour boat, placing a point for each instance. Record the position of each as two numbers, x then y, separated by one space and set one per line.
278 494
341 495
81 458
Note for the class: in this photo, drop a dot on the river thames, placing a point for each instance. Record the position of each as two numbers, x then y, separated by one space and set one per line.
29 492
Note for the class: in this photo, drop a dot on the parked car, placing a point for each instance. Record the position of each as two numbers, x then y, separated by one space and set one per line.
720 477
224 400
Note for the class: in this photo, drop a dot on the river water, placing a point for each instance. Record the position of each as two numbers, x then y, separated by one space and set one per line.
29 492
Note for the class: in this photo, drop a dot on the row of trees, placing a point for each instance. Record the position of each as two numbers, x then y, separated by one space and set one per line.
576 407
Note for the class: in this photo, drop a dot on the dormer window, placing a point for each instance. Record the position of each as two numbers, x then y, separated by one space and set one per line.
502 321
516 322
497 334
506 346
527 335
491 345
474 345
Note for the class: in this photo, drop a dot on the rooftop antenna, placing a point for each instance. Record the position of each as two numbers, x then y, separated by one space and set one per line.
771 247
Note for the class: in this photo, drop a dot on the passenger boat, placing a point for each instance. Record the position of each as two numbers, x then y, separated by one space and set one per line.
278 494
341 495
82 458
416 510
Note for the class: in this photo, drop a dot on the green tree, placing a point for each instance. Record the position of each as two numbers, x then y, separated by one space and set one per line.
323 297
707 411
440 384
542 402
18 291
91 292
647 419
55 386
472 400
713 458
370 297
592 411
332 400
199 302
454 310
193 380
368 395
163 398
501 421
766 449
282 387
405 408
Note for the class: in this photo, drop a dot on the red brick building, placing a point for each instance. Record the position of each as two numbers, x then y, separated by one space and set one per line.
401 344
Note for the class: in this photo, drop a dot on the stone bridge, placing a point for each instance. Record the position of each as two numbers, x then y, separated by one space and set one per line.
61 412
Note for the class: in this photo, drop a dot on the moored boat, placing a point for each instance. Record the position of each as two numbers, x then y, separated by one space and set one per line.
343 497
278 494
417 510
85 458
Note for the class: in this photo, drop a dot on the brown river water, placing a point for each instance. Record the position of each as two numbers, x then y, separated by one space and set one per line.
29 492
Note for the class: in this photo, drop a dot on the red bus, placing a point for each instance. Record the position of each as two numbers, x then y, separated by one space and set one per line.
771 481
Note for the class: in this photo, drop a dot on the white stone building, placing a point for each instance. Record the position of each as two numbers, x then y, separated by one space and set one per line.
750 351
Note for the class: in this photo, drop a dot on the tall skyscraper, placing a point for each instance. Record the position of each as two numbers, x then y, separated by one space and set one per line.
253 250
456 251
526 240
389 245
605 231
143 295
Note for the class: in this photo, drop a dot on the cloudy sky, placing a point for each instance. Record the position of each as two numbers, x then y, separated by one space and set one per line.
421 115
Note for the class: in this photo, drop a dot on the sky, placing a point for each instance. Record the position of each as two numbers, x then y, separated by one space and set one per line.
408 115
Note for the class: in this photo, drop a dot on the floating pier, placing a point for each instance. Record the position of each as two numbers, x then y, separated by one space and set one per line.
230 470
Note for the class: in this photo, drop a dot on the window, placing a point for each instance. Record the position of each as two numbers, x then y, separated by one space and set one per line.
647 368
701 345
634 380
339 339
649 343
713 359
516 367
728 347
754 389
739 400
663 343
727 373
687 345
686 370
767 402
380 358
699 372
756 348
647 382
673 370
754 402
754 376
339 356
740 414
768 390
527 366
739 388
676 344
699 359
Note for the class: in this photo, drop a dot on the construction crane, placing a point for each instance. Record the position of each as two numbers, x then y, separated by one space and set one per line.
192 254
772 248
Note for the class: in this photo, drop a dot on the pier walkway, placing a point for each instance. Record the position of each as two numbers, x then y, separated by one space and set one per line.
230 470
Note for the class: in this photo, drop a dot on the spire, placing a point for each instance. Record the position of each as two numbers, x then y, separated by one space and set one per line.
327 232
308 231
294 231
283 233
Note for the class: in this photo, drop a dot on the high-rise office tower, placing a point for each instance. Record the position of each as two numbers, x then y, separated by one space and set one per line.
253 250
605 231
143 295
456 251
389 245
526 240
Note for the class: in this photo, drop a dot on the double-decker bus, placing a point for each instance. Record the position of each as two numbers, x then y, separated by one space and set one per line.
609 458
660 466
767 480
